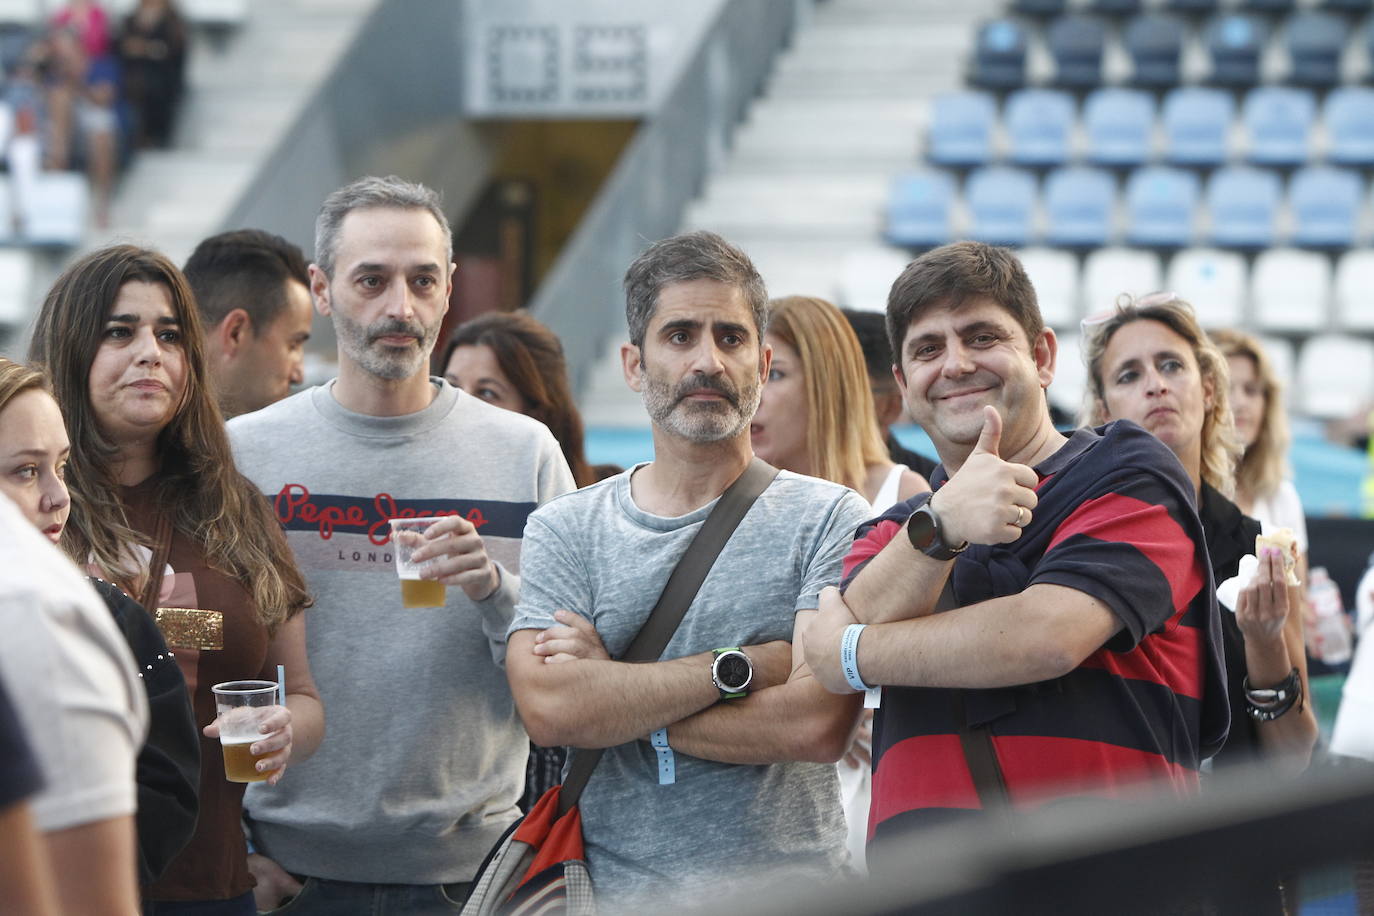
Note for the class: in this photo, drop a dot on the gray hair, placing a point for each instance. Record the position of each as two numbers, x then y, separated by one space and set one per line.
683 258
369 193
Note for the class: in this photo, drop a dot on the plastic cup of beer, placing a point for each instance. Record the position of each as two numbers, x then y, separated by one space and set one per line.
240 708
406 537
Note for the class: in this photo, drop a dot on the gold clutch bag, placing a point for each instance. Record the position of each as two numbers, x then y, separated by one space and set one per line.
191 628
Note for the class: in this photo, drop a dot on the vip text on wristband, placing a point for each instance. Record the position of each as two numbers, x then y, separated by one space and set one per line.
667 767
849 655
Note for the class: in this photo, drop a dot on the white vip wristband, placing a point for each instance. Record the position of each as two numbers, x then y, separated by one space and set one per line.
849 656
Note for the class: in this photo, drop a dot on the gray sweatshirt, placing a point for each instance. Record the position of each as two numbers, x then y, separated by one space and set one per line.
424 755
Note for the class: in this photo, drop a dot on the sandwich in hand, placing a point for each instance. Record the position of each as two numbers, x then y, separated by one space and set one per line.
1287 545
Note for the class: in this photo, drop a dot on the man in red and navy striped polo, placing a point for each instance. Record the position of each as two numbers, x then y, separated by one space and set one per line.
1053 594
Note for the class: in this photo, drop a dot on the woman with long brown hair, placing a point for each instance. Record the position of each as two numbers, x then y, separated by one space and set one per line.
513 360
159 508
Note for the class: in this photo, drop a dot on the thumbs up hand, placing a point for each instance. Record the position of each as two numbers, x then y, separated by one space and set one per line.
988 500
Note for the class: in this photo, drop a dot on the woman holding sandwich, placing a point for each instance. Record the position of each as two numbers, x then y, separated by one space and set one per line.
1150 362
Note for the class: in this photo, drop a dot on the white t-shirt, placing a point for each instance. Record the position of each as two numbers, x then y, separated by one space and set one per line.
1282 509
71 678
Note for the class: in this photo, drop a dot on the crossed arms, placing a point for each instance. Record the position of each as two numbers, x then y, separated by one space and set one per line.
584 699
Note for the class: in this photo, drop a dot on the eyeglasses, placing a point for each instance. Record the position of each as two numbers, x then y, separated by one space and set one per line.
1149 300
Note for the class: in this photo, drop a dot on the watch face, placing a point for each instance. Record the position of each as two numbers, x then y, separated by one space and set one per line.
733 671
920 529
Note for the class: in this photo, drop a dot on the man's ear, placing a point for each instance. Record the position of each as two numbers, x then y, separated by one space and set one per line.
632 365
765 363
234 332
1046 353
319 289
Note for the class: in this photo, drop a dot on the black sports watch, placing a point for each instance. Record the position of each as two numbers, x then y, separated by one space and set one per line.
731 672
924 532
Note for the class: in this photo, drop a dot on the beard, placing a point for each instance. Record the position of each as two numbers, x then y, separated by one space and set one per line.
361 344
701 422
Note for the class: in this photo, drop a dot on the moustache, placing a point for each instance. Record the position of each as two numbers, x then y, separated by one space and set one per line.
707 383
394 327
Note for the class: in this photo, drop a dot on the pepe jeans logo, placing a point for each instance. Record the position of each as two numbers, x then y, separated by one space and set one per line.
296 509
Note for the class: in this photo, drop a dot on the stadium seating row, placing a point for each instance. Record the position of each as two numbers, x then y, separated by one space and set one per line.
1235 42
1162 207
1315 320
1195 126
1118 8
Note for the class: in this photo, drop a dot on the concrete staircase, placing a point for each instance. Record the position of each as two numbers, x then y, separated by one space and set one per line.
802 188
244 91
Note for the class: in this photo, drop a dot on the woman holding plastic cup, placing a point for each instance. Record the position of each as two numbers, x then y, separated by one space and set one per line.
1149 361
158 507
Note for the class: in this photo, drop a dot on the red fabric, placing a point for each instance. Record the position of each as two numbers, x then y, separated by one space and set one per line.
556 840
1147 527
869 546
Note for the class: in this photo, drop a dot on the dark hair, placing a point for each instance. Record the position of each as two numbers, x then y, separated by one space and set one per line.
199 488
691 256
367 194
951 275
531 356
871 330
244 269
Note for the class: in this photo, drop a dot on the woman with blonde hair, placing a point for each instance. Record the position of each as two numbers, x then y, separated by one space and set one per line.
1150 362
816 417
159 509
1263 488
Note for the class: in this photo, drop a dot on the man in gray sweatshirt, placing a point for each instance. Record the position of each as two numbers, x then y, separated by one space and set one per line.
424 759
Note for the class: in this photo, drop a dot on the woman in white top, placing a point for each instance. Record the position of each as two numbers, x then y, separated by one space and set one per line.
1263 490
816 417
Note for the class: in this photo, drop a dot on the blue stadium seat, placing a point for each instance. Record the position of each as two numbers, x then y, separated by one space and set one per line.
1268 7
1038 125
1197 124
1193 7
1235 41
1160 203
961 126
918 209
1356 7
999 55
1155 44
1325 203
1114 7
1119 124
1079 204
1315 41
1350 126
1038 8
1279 122
1076 43
1243 202
1001 202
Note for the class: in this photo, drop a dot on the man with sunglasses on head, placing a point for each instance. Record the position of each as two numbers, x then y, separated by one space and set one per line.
1043 625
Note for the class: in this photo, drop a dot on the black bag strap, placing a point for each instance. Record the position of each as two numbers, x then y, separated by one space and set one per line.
976 741
677 595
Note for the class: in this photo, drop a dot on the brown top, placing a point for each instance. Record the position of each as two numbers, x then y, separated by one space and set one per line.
214 865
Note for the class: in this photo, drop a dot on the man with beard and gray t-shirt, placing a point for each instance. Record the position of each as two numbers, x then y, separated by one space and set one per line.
752 795
424 759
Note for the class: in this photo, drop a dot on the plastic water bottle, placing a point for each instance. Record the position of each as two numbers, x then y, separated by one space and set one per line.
1331 638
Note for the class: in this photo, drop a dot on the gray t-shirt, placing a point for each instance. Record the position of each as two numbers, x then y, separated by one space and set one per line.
596 553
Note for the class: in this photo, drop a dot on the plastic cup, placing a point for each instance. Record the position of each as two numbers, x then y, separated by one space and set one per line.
405 538
240 708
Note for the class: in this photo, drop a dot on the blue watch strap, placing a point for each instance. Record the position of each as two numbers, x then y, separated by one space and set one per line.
667 768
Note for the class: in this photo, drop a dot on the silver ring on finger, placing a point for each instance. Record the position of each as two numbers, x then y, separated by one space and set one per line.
1022 517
